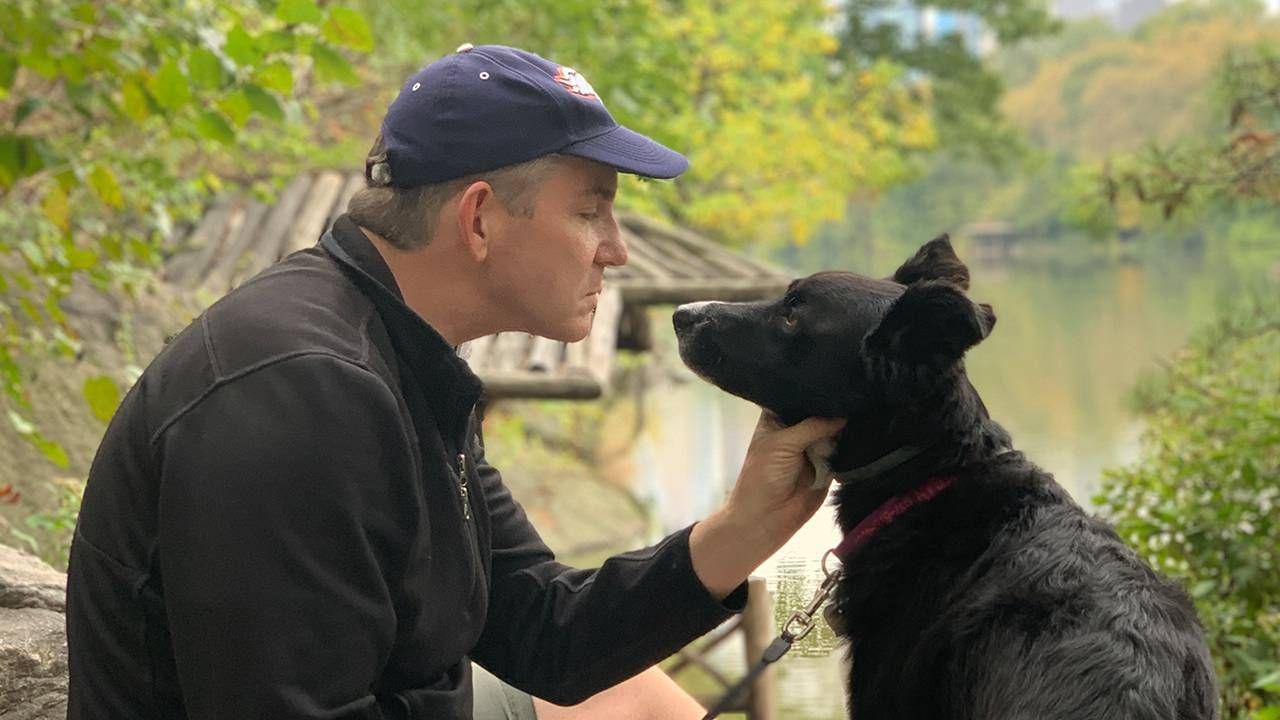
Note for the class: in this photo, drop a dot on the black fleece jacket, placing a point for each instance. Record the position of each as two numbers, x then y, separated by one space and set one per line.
291 516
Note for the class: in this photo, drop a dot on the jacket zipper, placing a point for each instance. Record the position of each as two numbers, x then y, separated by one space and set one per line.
463 489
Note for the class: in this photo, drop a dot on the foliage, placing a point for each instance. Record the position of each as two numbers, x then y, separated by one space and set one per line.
57 524
779 130
119 119
1201 503
964 93
1091 101
1241 161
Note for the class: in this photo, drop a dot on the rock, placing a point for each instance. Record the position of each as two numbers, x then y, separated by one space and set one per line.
33 645
26 582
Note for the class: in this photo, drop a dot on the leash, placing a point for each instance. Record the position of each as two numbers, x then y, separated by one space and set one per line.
801 623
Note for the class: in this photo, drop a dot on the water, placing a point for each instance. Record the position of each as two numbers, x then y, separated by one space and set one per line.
1069 343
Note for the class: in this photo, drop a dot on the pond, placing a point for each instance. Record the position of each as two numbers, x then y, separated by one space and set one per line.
1071 340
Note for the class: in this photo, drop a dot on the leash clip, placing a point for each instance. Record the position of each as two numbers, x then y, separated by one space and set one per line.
801 622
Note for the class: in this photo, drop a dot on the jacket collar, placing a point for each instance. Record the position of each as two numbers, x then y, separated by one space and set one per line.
445 379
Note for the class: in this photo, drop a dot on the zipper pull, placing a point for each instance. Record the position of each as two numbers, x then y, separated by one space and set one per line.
463 489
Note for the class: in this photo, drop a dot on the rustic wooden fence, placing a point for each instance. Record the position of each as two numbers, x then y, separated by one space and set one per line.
756 624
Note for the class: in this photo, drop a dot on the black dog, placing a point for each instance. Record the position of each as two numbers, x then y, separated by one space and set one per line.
995 598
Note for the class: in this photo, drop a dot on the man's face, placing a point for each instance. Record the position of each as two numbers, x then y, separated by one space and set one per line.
548 269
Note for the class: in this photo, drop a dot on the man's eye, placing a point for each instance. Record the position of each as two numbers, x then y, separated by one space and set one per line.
590 215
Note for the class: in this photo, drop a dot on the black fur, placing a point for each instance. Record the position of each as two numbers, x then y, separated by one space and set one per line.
999 599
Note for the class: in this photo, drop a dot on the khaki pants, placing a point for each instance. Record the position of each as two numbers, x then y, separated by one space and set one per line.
496 700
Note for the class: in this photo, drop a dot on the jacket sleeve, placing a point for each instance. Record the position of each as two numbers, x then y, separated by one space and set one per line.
276 519
564 634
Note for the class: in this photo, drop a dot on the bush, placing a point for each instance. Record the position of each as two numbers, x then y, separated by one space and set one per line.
1201 503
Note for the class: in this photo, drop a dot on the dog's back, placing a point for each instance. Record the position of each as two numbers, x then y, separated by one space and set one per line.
1001 598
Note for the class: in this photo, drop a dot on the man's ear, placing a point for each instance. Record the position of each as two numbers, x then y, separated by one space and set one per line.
476 207
932 323
935 260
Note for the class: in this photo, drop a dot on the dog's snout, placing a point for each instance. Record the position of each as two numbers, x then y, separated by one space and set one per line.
689 315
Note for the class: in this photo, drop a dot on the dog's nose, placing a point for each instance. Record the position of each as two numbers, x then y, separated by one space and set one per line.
688 315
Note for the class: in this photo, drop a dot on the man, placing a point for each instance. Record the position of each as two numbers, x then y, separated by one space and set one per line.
292 515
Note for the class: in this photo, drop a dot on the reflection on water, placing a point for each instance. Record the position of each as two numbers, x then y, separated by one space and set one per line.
1066 350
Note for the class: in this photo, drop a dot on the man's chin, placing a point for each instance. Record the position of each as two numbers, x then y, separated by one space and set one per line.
570 332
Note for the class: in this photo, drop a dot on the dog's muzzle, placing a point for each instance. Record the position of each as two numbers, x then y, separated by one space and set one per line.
691 315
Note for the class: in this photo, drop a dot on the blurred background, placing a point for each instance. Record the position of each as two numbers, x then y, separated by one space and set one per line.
1109 169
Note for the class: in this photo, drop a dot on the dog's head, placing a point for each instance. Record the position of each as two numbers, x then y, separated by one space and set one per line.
835 341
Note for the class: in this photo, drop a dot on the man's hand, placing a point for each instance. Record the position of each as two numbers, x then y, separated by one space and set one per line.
774 496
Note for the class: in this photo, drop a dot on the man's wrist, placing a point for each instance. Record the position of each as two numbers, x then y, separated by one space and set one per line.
725 547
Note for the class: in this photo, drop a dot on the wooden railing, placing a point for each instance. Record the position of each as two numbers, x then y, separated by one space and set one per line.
756 624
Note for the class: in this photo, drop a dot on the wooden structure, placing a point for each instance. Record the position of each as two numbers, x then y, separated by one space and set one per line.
239 237
757 628
992 240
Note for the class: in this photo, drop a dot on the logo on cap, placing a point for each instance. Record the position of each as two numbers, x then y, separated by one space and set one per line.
573 81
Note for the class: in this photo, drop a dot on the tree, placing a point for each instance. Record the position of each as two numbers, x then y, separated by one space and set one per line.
120 118
779 129
1240 161
964 92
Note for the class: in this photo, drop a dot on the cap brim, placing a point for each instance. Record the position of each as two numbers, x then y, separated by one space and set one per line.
630 152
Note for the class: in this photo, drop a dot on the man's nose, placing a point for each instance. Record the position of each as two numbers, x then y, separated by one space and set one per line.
613 250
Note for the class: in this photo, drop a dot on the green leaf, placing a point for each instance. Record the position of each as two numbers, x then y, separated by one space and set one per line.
237 107
331 67
33 254
8 71
39 60
276 76
24 110
81 258
298 11
1270 681
241 48
205 70
54 452
72 68
1203 588
20 156
284 40
347 28
99 53
263 103
104 185
170 87
103 396
57 207
1270 712
85 13
133 100
213 125
21 424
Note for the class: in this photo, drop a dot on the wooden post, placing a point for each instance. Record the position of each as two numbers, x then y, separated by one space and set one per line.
758 632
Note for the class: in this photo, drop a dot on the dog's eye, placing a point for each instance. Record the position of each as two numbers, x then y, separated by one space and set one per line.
790 303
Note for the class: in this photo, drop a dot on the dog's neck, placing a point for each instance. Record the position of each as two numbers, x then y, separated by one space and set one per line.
893 451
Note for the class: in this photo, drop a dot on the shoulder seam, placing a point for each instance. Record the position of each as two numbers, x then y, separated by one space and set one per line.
208 346
220 380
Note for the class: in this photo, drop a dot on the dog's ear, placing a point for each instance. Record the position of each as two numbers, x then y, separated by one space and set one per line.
933 322
935 260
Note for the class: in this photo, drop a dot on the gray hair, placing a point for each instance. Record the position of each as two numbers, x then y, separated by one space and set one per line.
406 217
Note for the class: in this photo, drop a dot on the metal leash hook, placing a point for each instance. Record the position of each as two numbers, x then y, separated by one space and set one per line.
801 622
796 628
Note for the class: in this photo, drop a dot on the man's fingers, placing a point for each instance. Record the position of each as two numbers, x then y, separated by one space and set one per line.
809 431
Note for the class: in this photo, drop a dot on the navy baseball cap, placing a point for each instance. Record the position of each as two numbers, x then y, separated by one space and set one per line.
489 106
